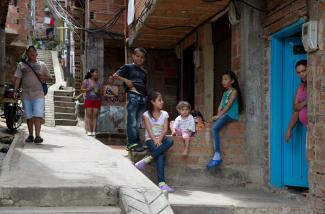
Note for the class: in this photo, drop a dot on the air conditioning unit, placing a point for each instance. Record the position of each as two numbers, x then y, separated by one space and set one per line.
309 36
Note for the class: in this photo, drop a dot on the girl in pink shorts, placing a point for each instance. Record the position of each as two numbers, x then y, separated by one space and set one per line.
184 124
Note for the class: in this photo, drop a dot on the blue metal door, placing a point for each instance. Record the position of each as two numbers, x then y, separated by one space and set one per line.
295 168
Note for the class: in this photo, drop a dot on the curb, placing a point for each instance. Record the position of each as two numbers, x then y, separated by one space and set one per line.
19 138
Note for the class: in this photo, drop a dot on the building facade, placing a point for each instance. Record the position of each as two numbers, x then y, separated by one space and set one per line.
261 41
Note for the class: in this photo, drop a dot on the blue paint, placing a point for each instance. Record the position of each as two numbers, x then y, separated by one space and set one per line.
294 161
278 115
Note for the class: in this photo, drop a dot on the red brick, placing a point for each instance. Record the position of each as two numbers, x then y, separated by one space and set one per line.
181 160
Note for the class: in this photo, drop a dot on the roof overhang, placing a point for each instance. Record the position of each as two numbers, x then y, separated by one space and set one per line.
167 22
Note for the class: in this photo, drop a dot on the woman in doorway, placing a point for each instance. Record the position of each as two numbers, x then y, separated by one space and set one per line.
300 105
111 91
92 89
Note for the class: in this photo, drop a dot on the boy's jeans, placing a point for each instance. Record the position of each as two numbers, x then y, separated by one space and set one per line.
158 153
217 125
135 109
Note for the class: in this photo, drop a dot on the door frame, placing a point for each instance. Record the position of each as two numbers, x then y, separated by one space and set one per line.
276 71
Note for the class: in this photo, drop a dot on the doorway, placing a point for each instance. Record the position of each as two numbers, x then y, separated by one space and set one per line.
188 76
288 163
221 36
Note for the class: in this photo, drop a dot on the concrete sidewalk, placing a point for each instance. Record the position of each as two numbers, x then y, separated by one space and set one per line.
235 201
72 169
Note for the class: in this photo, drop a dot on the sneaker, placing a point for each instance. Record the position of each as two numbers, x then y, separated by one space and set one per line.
38 139
141 165
93 134
138 148
214 163
88 133
166 188
130 147
30 139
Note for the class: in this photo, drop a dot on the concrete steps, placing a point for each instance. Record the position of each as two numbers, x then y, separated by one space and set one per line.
65 116
235 201
65 93
46 57
65 122
60 210
63 104
64 108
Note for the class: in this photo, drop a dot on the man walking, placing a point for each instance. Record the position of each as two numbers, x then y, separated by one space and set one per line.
29 75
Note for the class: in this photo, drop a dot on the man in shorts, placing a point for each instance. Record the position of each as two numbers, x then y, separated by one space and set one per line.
32 92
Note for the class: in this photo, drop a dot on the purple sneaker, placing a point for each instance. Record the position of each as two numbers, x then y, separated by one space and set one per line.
167 188
141 165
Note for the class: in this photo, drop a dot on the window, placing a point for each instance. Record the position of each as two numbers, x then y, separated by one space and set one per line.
92 15
17 9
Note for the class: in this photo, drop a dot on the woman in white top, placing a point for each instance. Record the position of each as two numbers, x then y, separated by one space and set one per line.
156 124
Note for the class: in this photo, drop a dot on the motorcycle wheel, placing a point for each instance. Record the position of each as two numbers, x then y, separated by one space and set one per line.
19 117
10 119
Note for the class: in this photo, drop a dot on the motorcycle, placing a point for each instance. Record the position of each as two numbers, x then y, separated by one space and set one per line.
12 108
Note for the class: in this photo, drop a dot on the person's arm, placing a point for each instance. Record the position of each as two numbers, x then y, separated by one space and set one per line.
17 81
299 105
233 96
148 127
293 121
84 88
128 83
164 131
120 76
192 125
175 124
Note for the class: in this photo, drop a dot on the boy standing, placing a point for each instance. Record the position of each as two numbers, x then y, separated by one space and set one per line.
135 81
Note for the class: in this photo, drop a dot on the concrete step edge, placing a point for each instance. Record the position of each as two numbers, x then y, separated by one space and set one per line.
49 196
61 210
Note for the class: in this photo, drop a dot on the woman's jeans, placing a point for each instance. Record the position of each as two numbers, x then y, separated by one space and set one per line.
158 154
217 125
135 109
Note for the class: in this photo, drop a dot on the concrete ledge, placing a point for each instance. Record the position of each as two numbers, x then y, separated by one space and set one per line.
58 196
18 139
191 170
147 201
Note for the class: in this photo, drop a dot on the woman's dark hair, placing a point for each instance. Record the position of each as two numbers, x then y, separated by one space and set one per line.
196 113
301 62
88 74
152 97
235 85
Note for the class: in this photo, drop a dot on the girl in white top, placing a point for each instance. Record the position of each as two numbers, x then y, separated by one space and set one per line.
156 124
184 124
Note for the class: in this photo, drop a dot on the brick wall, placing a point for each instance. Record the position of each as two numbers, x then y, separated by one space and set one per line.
191 170
162 67
316 114
104 10
280 15
17 21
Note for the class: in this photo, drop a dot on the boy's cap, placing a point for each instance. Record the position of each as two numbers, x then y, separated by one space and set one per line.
30 47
